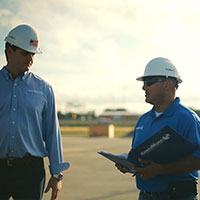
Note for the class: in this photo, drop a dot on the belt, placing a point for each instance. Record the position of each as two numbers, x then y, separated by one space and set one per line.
177 189
14 162
154 193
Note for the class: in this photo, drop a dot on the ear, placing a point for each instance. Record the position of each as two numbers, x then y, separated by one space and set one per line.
170 85
9 50
167 84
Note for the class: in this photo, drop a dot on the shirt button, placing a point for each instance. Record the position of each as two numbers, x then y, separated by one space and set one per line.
15 84
14 109
14 95
13 137
13 122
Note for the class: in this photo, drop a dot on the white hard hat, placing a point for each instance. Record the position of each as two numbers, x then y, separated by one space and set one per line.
24 37
160 67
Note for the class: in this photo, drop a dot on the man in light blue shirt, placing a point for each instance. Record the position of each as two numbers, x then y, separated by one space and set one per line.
29 128
176 180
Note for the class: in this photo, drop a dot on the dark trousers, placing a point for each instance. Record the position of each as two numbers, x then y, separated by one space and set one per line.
185 190
23 180
143 196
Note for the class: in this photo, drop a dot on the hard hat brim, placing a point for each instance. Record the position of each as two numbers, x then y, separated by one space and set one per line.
141 78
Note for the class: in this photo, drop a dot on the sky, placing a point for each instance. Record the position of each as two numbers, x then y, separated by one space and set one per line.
93 50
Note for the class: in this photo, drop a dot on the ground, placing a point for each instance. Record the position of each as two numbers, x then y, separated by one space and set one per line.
91 176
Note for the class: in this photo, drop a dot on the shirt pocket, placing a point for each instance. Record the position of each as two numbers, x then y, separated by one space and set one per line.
33 101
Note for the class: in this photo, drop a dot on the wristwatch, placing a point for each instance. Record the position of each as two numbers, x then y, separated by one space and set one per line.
59 176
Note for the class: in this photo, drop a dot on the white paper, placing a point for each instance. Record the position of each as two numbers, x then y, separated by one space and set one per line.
120 159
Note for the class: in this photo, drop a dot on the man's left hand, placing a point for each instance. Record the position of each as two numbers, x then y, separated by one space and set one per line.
56 186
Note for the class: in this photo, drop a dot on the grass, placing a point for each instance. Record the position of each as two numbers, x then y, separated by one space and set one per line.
86 123
84 130
74 130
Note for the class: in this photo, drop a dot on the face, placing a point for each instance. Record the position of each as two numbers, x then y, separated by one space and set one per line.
154 90
20 60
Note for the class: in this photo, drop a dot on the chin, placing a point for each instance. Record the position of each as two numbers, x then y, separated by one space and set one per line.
148 101
27 68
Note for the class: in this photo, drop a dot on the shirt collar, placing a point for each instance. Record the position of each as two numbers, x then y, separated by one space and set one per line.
8 75
25 76
5 72
172 108
169 111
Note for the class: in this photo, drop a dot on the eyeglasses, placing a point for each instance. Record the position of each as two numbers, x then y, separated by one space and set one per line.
151 81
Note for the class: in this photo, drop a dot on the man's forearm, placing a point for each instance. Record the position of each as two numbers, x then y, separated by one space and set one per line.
187 165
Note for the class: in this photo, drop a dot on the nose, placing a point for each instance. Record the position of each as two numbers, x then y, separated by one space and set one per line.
30 56
144 87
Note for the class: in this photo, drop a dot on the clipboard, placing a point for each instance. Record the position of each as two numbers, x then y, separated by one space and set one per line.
163 147
119 159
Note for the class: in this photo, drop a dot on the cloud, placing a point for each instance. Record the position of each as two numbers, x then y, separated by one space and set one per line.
93 50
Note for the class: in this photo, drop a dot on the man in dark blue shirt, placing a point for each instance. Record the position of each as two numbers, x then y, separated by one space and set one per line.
177 180
28 123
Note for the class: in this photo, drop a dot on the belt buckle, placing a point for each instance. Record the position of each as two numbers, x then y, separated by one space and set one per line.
148 193
9 164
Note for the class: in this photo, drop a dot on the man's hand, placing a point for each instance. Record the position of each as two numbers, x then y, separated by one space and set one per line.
56 186
149 170
121 168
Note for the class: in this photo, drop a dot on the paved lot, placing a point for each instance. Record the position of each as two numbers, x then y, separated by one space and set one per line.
92 177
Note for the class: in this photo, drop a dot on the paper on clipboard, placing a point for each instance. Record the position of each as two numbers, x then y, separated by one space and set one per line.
119 159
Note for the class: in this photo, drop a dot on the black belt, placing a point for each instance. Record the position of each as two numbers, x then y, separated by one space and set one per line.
177 190
154 193
14 162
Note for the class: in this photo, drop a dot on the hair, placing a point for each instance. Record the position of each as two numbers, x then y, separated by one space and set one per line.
13 47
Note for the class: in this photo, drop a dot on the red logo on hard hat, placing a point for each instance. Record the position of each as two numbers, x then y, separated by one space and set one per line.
34 43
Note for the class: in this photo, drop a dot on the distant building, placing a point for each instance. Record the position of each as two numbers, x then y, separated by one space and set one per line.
117 114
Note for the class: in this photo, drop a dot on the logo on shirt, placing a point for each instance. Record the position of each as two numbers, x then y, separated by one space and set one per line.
139 128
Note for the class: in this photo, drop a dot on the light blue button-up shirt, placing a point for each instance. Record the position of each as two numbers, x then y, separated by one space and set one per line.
28 120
